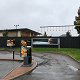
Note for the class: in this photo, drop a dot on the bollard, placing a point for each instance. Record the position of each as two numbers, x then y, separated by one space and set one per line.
13 53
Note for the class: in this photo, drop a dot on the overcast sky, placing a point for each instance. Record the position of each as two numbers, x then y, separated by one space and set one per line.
35 13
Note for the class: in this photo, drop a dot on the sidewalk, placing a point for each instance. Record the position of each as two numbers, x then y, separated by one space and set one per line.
18 71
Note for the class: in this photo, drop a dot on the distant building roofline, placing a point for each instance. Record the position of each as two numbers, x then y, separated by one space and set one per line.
22 29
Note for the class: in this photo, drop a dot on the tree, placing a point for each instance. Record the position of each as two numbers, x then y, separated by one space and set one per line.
5 33
45 35
77 22
68 34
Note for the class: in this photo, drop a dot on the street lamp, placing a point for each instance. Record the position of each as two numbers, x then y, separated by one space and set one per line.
16 29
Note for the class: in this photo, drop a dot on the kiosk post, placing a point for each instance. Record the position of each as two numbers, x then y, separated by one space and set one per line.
13 53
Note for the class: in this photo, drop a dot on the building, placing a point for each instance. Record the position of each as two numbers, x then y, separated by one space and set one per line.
63 35
24 32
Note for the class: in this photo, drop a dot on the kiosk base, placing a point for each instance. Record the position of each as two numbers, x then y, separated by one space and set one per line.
27 65
27 62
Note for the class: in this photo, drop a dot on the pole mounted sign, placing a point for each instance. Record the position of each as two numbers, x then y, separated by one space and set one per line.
10 43
25 52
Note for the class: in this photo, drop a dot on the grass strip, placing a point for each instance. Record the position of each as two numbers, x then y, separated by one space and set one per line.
8 48
3 48
17 49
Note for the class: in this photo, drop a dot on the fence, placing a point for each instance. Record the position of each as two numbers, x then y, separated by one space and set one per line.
65 42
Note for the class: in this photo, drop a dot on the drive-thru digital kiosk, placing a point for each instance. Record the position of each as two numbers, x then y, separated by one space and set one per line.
25 52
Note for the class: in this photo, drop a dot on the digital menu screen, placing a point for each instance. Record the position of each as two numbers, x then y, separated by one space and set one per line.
48 41
29 51
10 42
25 48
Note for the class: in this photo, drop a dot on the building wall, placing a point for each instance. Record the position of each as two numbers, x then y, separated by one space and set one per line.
12 33
1 33
25 33
28 33
19 33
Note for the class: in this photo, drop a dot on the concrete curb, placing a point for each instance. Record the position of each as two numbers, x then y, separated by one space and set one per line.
11 59
28 71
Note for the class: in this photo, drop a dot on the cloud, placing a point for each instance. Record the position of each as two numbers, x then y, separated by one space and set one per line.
35 13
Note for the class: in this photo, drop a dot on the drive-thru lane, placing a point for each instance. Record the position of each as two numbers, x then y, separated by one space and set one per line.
59 67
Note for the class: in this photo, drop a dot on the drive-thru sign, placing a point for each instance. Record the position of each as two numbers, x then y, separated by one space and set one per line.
25 52
11 43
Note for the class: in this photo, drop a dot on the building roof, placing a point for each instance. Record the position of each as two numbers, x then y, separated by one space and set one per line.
22 29
63 35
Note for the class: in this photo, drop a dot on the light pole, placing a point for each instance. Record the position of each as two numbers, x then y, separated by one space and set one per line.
16 29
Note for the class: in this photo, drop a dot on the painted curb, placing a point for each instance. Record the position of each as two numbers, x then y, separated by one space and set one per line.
28 71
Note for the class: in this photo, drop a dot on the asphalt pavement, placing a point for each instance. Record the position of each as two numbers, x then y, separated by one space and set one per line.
7 66
52 66
59 67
